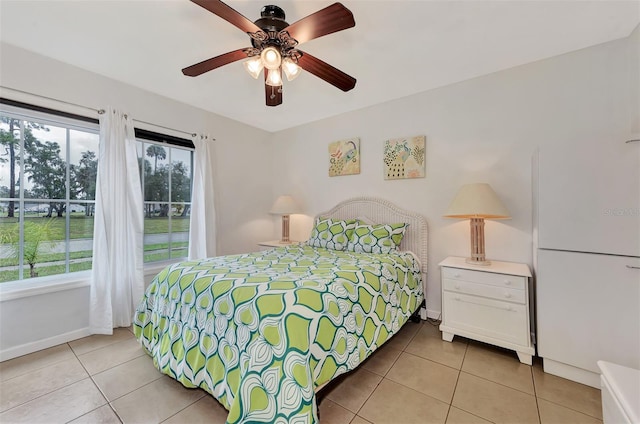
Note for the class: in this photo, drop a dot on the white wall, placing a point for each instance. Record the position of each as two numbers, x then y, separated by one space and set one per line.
242 167
482 130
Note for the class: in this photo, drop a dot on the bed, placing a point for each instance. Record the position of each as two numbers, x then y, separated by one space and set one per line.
263 332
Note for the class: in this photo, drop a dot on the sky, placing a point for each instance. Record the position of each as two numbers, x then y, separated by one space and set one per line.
80 141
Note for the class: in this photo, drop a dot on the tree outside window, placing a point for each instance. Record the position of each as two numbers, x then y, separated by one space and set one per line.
47 194
166 174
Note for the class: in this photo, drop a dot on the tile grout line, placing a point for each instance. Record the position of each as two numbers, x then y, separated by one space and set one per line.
500 384
110 402
96 385
455 387
556 403
491 381
39 368
47 393
42 395
570 408
97 348
433 361
385 374
407 387
535 395
189 405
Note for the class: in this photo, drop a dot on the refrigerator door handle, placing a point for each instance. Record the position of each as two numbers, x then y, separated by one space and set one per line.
633 267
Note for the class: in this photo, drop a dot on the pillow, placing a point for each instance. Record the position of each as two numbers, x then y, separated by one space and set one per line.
379 238
331 234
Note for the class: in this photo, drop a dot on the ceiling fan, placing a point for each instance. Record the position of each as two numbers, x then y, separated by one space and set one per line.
274 46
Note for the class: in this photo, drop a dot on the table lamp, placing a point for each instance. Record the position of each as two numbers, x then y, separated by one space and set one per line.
477 202
285 206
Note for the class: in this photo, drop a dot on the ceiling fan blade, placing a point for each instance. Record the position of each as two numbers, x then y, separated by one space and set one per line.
326 72
273 95
228 14
331 19
214 62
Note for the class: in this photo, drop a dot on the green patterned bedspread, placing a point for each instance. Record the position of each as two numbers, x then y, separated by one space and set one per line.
262 331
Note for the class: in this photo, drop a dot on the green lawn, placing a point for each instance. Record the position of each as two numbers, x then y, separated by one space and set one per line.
44 271
51 257
81 226
153 253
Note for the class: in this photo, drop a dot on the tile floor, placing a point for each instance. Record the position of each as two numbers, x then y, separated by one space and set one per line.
415 378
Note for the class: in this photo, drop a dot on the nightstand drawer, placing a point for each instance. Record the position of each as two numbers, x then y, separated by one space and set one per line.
492 318
494 279
485 290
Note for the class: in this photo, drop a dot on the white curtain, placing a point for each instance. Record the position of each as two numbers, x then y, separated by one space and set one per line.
202 226
117 279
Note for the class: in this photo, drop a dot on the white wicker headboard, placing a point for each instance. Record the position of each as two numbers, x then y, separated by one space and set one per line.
381 211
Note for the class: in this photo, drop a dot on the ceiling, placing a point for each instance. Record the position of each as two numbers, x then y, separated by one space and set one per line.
396 49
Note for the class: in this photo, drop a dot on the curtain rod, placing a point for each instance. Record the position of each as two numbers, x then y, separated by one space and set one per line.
98 111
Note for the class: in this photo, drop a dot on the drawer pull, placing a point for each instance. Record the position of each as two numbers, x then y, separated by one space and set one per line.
457 286
633 267
507 282
457 275
507 295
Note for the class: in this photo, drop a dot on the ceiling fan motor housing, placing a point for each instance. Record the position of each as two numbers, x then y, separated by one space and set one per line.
272 19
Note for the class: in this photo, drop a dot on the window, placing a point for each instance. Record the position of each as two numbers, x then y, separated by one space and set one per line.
48 167
166 175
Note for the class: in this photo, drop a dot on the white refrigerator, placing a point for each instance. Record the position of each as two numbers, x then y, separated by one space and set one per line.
587 258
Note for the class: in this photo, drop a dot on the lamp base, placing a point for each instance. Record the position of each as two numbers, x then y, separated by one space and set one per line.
477 243
475 262
285 230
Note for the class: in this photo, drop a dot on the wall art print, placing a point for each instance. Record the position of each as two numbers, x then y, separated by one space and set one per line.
344 157
404 158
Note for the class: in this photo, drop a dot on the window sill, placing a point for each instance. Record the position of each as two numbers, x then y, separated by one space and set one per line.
55 283
42 285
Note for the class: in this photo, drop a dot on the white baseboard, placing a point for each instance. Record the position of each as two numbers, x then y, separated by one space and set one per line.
31 347
572 373
430 313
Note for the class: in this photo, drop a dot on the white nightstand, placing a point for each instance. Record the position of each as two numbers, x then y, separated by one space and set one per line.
277 243
487 303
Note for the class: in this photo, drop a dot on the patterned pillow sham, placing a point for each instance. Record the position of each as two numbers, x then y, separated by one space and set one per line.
379 238
331 234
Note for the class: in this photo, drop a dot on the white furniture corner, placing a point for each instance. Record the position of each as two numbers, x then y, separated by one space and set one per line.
620 393
489 303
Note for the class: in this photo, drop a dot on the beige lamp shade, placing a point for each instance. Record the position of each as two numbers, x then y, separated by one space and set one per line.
284 205
477 201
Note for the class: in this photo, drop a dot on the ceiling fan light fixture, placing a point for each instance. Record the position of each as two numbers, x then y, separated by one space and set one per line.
254 66
271 58
274 78
291 69
274 46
